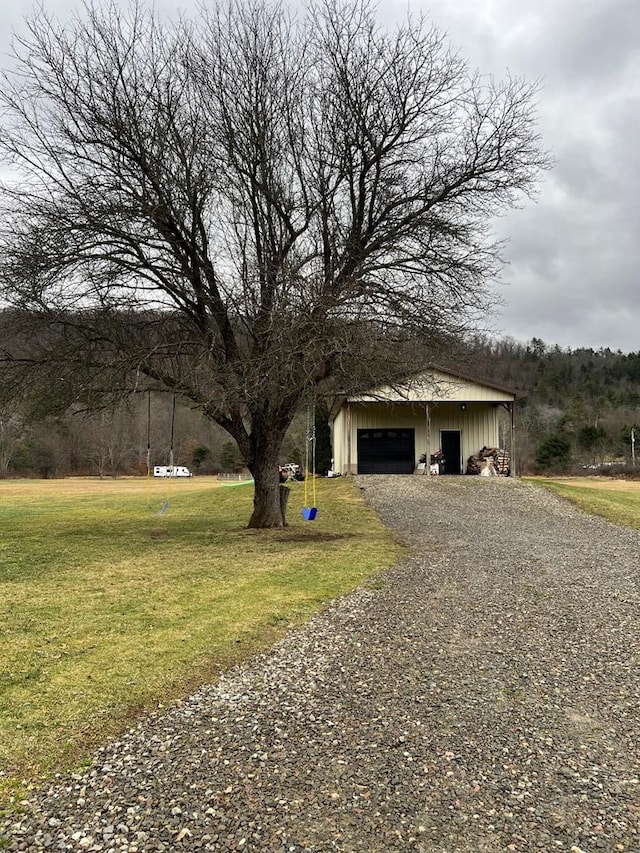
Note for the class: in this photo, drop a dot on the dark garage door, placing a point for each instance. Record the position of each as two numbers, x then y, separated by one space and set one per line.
386 451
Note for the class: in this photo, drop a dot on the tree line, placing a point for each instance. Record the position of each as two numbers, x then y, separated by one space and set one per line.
579 406
120 439
576 412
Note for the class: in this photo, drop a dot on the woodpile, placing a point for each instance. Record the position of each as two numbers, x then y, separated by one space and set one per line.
489 462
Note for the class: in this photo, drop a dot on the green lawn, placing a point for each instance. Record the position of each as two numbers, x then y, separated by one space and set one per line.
108 610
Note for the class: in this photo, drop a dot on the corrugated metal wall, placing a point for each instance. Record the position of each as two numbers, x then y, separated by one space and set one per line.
478 426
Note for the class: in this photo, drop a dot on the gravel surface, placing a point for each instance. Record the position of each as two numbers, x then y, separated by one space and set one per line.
485 698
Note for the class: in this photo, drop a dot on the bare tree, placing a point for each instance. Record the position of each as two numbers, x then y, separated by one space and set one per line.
110 443
248 208
11 431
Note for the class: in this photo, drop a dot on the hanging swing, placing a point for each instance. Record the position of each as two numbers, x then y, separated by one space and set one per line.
310 512
168 478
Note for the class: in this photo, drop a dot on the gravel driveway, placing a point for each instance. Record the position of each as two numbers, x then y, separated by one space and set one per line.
485 698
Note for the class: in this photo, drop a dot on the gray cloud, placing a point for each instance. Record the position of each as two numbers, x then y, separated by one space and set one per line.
574 257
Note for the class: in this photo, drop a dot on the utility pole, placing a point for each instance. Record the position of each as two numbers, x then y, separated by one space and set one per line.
633 447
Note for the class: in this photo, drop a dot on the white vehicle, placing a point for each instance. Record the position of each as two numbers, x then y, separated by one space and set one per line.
290 472
171 471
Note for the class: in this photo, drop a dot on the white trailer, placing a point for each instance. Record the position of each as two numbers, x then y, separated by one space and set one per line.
171 471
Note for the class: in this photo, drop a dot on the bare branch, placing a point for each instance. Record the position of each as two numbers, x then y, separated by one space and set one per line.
251 207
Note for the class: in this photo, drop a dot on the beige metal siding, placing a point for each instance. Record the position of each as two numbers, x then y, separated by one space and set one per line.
478 426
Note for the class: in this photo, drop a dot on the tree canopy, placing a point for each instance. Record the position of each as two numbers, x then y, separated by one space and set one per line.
249 207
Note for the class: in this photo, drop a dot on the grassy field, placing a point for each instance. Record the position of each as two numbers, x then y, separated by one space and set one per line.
109 610
615 500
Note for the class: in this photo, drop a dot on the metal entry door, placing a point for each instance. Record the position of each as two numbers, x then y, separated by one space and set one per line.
451 446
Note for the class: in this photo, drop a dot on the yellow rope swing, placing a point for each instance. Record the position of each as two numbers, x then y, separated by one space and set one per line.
310 512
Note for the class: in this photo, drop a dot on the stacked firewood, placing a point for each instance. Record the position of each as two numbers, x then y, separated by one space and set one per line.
490 461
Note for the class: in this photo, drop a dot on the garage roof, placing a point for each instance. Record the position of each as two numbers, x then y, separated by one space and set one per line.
436 385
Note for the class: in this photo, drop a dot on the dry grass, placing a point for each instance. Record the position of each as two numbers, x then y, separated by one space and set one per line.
108 609
616 500
600 483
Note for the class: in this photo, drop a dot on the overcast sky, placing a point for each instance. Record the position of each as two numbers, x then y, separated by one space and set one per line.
573 277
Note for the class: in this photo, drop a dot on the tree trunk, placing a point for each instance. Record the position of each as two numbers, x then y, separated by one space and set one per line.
269 498
262 453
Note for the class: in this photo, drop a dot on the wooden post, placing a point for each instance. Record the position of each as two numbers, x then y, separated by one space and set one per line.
285 491
348 419
513 438
427 467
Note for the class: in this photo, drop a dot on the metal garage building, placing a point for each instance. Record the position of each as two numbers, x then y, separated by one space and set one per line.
387 430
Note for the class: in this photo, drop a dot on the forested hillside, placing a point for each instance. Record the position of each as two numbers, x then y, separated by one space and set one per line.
114 441
578 409
580 405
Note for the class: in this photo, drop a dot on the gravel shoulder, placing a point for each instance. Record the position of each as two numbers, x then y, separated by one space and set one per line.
483 697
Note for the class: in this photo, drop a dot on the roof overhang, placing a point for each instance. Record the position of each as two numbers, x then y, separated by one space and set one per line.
436 385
